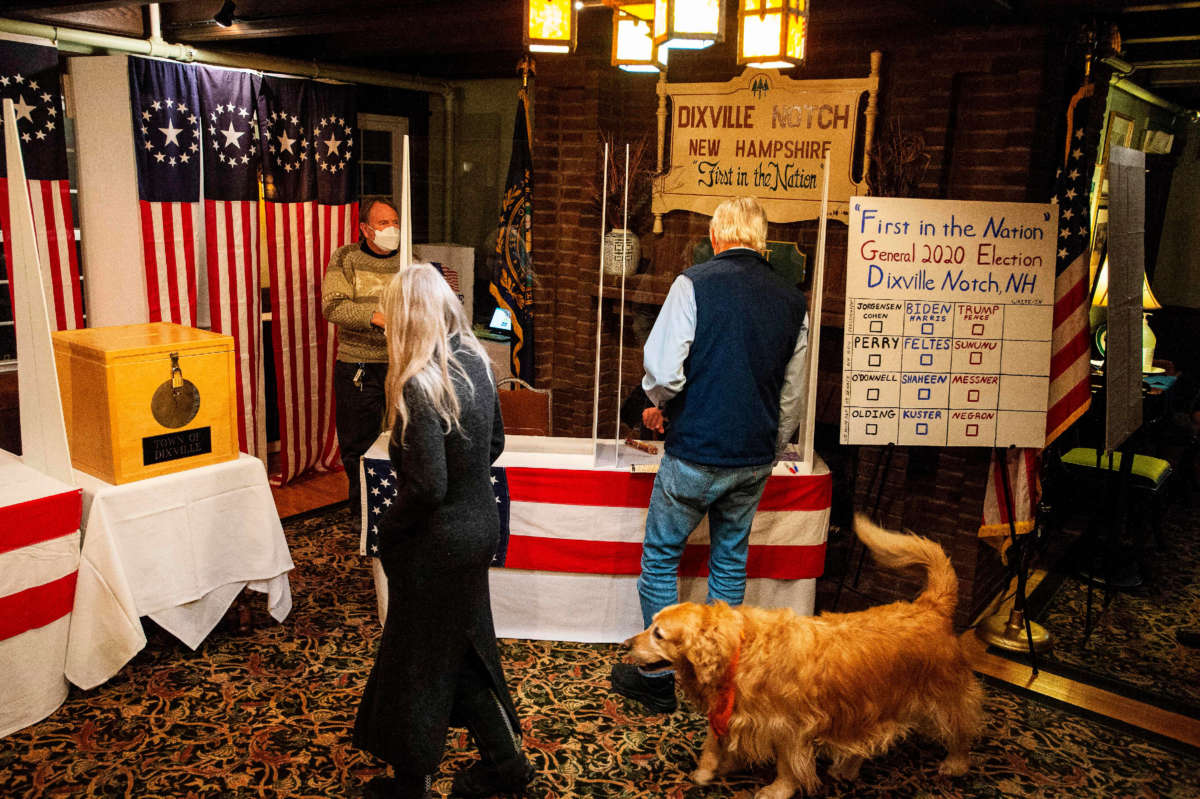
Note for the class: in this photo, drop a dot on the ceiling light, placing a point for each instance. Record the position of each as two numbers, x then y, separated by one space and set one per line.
772 33
633 45
688 24
550 26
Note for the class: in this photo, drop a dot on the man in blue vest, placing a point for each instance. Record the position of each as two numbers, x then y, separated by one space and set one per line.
725 366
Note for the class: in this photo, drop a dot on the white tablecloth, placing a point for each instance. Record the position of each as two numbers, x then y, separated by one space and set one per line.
177 548
575 533
39 557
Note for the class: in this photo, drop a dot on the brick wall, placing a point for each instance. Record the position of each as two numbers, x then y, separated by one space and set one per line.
978 97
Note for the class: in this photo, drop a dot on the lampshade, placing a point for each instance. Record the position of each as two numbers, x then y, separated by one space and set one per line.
642 9
1100 297
688 24
633 44
550 26
772 33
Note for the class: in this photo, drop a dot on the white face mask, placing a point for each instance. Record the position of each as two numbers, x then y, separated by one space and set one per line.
388 238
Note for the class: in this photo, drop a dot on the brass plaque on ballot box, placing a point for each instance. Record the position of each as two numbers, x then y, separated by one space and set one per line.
145 400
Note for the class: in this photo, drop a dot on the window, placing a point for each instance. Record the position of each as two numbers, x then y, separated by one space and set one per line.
381 152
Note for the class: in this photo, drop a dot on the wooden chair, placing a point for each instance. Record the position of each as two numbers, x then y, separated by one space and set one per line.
526 410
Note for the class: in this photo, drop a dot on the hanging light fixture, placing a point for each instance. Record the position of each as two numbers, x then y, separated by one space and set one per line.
633 44
550 26
642 9
772 33
688 24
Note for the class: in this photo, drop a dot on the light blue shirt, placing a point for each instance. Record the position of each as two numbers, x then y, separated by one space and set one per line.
671 339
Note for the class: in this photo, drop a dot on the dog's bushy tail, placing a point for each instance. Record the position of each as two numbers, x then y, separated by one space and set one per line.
897 550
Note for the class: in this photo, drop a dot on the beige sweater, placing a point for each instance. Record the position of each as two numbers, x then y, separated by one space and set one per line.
351 293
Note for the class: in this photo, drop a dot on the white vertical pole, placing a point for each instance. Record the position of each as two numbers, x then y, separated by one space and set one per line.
43 431
600 302
621 315
405 209
808 417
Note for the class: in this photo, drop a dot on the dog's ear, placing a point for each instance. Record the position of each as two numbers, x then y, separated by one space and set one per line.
712 643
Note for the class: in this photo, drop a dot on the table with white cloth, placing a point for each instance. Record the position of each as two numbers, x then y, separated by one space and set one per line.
178 548
572 539
39 558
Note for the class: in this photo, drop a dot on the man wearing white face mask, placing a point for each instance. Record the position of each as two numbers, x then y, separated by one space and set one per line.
350 299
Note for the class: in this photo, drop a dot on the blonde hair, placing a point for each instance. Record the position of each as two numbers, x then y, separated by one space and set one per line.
740 221
422 313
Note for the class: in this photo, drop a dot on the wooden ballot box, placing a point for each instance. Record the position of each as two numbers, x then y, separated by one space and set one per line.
145 400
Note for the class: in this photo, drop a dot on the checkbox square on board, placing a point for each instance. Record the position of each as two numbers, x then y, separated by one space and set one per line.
876 326
973 395
927 328
927 359
922 393
972 431
922 428
874 360
977 329
976 358
872 393
872 429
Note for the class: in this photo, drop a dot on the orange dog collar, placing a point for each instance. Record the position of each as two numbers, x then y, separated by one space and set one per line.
722 711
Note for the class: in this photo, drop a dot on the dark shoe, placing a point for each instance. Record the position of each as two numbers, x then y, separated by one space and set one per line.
485 779
656 693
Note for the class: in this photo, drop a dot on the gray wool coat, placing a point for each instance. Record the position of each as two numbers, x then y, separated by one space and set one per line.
436 542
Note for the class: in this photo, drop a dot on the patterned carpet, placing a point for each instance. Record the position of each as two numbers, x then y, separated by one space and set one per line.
1132 649
267 713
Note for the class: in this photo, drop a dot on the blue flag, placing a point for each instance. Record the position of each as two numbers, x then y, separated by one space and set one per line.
332 114
228 102
166 130
512 265
286 140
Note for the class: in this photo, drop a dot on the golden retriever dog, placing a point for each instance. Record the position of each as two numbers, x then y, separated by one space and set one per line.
778 686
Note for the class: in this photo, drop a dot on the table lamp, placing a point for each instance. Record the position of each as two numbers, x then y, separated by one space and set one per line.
1149 303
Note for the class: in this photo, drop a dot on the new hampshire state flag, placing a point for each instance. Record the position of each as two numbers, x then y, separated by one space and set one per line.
511 263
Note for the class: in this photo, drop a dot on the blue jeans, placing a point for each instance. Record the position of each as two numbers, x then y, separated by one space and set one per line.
683 493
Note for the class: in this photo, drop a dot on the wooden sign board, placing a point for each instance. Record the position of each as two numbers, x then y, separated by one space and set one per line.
949 312
766 136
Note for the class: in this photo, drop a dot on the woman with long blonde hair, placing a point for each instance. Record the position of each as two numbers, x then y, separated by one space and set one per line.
438 662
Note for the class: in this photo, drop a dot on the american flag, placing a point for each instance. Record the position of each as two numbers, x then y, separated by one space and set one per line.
228 108
380 488
593 522
29 77
166 130
1070 367
308 170
332 113
451 276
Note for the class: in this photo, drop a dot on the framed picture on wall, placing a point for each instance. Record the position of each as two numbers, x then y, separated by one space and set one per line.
1120 132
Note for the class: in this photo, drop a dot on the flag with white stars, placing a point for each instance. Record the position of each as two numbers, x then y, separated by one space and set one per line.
379 489
332 121
166 135
229 110
286 139
29 76
297 258
1070 365
333 111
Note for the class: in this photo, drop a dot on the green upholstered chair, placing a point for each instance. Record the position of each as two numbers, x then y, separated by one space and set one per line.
1148 478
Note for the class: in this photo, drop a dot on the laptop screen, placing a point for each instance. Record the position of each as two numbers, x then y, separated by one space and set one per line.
501 321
